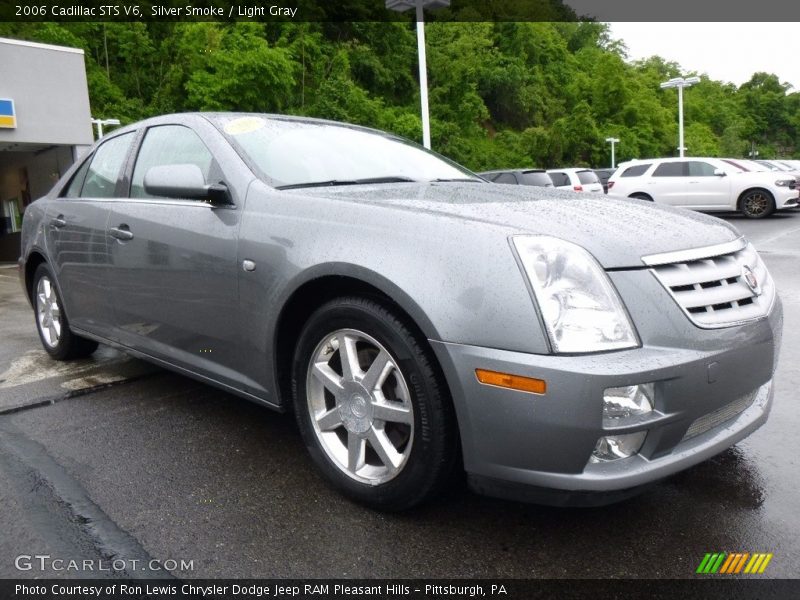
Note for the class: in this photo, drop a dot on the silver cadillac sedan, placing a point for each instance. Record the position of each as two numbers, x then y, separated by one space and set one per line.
419 321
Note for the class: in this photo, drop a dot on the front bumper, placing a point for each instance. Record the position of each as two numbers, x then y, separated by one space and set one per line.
517 445
788 198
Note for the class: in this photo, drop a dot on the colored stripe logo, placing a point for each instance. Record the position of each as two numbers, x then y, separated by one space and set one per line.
8 117
734 563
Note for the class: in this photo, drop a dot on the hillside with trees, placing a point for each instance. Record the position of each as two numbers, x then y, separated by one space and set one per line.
501 94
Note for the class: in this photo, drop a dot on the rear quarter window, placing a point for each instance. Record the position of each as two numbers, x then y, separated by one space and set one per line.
636 170
73 189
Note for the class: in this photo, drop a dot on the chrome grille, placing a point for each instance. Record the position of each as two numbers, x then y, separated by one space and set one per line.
719 416
713 290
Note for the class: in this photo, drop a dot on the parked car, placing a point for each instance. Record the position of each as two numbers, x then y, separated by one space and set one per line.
416 319
707 184
795 164
604 175
746 165
778 166
537 177
774 165
577 180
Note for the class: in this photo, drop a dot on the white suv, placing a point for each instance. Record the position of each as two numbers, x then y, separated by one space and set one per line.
578 180
708 184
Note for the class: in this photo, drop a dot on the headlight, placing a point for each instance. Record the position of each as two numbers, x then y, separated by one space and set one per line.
785 182
580 307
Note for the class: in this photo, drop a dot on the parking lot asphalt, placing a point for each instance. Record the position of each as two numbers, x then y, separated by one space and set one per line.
113 457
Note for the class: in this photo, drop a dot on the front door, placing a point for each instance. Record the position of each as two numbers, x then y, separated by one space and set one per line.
705 189
174 276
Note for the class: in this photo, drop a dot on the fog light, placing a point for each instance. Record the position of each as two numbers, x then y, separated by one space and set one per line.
613 447
621 403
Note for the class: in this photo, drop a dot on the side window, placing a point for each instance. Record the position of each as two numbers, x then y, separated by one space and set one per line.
670 169
73 190
101 178
700 169
169 145
560 179
506 178
635 170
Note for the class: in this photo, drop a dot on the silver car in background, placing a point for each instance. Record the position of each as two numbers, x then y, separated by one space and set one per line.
419 321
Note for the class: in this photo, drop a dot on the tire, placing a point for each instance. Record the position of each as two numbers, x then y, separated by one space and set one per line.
757 204
387 437
51 320
641 196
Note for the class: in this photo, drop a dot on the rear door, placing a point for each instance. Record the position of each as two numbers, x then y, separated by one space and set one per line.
668 183
174 277
76 236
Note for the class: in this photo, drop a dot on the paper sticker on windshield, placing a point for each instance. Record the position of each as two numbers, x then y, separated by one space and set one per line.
244 125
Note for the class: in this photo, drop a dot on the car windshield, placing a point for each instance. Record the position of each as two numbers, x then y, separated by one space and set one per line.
751 165
587 177
737 165
771 166
304 154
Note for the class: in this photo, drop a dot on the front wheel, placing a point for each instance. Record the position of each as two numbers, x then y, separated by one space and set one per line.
51 321
370 406
757 204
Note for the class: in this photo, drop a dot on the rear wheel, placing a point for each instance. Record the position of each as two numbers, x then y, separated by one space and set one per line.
757 204
370 406
51 321
641 196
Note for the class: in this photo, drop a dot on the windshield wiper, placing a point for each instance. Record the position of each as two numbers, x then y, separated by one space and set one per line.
468 179
334 182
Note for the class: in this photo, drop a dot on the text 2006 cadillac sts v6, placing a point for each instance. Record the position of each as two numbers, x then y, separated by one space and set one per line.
417 319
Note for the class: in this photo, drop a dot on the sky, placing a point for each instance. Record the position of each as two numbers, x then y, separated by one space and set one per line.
729 52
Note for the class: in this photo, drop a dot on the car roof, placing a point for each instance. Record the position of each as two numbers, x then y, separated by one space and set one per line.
210 116
492 172
639 161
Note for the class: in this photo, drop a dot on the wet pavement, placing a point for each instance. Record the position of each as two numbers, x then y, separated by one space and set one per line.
115 457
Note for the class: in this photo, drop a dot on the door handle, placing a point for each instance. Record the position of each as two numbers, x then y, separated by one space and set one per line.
121 233
58 221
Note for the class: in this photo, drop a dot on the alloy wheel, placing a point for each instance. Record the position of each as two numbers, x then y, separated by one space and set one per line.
360 406
48 311
756 204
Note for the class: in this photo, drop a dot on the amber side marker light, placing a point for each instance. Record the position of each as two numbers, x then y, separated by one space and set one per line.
513 382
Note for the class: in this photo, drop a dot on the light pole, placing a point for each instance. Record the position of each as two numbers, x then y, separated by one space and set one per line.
101 122
612 141
401 6
680 83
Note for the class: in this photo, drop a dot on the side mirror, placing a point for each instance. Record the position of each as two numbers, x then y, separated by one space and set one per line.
720 173
186 182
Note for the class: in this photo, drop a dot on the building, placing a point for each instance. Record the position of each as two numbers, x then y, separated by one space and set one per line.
45 124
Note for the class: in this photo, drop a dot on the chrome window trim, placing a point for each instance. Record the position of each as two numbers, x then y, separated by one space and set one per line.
680 256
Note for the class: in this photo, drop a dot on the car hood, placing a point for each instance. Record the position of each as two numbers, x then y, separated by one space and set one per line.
617 231
769 177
